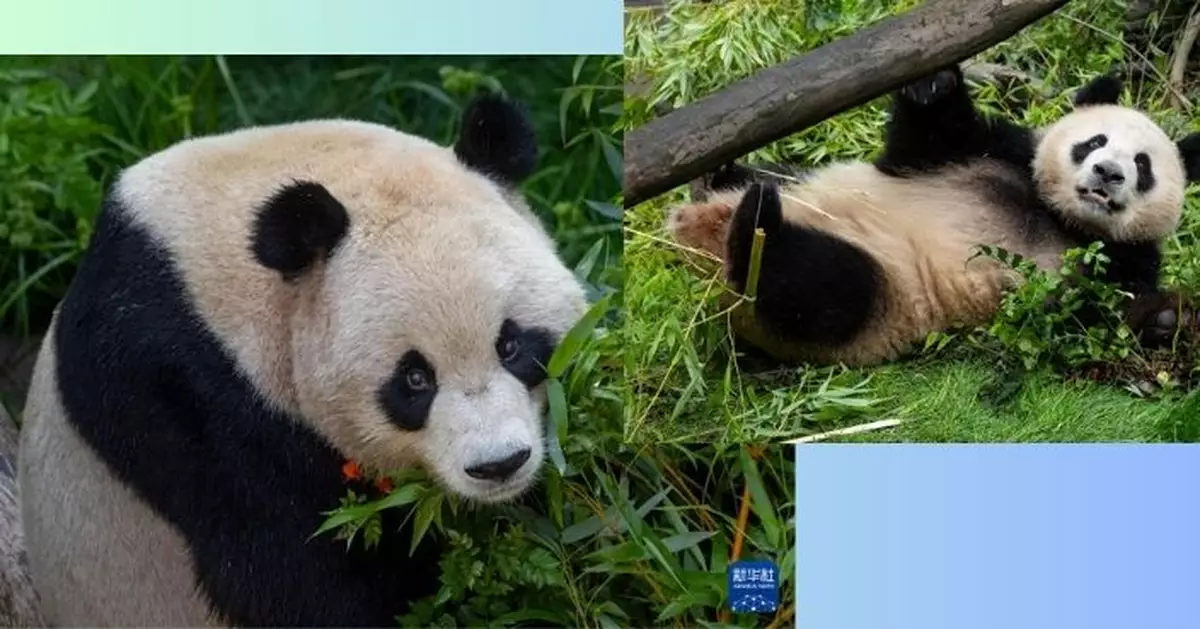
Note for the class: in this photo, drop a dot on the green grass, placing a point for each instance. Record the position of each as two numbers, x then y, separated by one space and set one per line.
967 401
684 385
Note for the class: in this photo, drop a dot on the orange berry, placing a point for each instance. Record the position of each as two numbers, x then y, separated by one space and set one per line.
384 484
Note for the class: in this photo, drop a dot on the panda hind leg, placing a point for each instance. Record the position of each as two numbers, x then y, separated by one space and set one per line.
813 287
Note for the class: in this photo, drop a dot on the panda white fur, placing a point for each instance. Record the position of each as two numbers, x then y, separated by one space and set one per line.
256 308
863 260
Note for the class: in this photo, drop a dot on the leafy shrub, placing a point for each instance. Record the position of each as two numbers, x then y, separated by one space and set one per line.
48 195
1039 321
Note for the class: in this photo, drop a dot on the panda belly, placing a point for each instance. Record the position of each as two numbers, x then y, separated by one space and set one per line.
98 555
921 233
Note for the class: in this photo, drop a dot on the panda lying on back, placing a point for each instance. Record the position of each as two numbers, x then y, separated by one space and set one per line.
255 309
862 261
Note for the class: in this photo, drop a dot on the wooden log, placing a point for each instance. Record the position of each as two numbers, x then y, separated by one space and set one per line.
781 100
1179 59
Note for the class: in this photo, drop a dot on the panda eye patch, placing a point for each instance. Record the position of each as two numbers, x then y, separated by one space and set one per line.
524 352
408 394
1080 151
1145 170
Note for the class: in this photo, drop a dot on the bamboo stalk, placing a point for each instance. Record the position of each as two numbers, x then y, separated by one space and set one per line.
850 430
756 249
739 531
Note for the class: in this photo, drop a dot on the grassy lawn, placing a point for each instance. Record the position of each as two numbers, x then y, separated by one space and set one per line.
954 401
683 382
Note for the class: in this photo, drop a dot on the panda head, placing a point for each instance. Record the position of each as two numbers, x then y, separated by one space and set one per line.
428 301
395 295
1111 170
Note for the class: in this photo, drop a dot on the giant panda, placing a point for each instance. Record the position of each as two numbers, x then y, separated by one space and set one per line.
861 261
257 308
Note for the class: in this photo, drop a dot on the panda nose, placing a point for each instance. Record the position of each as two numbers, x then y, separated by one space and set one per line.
500 469
1109 171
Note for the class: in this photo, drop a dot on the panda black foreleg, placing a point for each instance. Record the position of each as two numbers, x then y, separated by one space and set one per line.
934 123
813 287
1154 314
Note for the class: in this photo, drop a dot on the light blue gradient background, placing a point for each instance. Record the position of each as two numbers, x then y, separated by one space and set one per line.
311 27
997 537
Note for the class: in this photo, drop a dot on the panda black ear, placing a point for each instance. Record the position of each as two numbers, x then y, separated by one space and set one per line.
299 225
1189 148
1103 90
497 139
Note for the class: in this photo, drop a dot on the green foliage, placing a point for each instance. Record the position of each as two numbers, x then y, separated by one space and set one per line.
48 197
69 125
697 49
1039 320
1182 424
687 377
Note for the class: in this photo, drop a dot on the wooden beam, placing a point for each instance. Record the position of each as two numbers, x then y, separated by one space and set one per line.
781 100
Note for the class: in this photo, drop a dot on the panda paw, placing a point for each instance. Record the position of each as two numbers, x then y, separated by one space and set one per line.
1158 317
930 89
735 175
730 175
